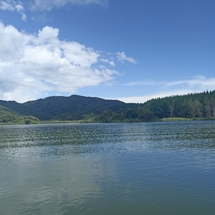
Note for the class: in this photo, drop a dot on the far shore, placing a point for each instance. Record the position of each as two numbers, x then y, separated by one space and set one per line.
174 119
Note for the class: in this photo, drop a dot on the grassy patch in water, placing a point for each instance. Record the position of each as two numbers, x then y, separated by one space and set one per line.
175 119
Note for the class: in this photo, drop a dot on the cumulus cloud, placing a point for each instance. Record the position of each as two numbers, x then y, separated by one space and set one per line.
123 58
12 5
35 65
48 5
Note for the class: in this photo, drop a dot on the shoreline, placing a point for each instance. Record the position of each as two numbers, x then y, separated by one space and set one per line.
175 119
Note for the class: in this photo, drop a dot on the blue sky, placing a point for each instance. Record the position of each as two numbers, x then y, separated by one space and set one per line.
116 49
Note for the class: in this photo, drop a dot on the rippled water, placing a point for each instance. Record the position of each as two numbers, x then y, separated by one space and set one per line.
136 168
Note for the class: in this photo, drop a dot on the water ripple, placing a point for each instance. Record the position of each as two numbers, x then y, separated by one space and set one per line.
149 168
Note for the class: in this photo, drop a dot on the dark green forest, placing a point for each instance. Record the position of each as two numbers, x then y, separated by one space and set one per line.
198 105
90 109
191 106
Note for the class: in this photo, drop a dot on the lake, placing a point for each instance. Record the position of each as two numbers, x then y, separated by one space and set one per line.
102 169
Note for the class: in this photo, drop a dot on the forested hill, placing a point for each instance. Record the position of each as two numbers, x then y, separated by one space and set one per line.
8 116
73 107
63 108
198 105
192 106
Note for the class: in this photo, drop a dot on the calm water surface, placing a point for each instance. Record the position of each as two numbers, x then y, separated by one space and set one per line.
103 169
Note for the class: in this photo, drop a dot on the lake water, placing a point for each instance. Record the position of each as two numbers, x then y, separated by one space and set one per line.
103 169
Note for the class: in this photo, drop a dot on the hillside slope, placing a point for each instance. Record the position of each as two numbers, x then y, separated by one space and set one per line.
8 116
197 105
63 108
192 106
71 108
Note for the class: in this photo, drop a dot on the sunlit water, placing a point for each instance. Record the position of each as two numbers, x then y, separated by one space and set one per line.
108 169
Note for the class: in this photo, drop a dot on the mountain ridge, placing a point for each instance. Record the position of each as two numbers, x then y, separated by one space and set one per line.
62 107
76 107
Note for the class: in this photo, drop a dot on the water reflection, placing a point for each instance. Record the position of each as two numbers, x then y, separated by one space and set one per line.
151 168
55 184
73 139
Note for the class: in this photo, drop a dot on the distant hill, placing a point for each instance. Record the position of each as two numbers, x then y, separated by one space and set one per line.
186 107
22 109
196 105
8 116
191 106
71 108
64 108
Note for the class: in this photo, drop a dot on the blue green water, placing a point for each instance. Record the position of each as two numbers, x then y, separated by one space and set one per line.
136 168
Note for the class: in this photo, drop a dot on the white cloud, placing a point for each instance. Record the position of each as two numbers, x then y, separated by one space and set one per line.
110 62
5 5
48 5
44 5
34 65
146 83
122 58
13 5
142 99
201 82
171 88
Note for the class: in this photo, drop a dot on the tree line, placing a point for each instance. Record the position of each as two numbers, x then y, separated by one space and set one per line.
198 105
191 106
